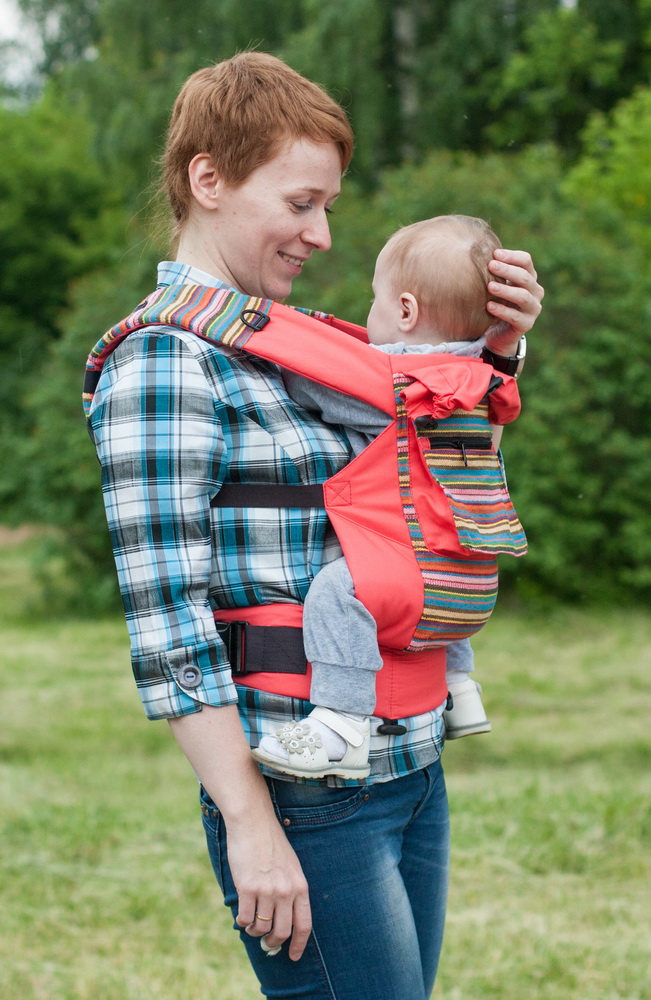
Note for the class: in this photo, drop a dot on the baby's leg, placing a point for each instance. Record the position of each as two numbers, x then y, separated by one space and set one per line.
340 639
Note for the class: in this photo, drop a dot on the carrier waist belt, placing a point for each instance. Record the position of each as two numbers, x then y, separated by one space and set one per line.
267 640
269 649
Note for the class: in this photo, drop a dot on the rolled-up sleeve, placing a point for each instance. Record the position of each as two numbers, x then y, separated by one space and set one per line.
163 456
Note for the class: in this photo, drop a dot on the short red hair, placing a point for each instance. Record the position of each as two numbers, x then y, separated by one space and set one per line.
241 111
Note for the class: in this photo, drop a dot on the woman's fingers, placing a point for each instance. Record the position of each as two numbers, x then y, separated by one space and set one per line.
273 895
302 926
510 264
519 293
289 918
263 918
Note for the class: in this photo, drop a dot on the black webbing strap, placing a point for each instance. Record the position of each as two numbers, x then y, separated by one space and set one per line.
270 649
268 495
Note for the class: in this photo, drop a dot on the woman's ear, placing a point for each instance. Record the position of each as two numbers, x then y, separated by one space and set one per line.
408 312
205 182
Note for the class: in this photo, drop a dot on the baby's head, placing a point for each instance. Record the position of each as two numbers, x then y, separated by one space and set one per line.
430 282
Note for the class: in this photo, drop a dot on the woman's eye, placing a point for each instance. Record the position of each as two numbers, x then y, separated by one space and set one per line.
301 207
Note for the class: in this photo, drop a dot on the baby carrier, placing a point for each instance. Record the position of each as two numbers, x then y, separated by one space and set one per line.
421 513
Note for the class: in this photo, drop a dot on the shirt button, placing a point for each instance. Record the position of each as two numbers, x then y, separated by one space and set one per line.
189 676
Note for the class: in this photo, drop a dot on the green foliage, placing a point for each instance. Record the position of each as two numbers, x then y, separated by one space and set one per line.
355 75
57 221
614 167
413 76
51 192
464 48
549 86
63 483
67 29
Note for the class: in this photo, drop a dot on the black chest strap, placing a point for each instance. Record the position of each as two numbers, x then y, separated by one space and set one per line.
269 495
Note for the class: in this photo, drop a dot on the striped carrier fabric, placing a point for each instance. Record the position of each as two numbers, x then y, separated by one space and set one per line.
212 313
459 593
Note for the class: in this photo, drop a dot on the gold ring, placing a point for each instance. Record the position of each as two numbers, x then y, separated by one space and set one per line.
258 916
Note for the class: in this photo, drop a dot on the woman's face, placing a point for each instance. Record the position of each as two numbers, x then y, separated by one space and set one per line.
268 226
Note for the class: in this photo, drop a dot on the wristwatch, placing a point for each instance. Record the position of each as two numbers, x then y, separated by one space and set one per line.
508 366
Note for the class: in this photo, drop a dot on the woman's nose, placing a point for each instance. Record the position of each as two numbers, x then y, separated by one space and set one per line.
318 232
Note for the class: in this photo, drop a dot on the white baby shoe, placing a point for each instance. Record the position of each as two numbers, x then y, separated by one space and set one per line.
298 747
467 714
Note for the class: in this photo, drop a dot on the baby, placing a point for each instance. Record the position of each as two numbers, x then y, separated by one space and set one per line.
430 296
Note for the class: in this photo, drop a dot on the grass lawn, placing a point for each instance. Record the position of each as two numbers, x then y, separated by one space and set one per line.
106 888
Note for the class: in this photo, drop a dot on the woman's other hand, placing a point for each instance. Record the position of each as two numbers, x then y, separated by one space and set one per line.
520 296
272 890
267 874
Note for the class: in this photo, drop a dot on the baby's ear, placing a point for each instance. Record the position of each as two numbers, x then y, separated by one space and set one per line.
408 312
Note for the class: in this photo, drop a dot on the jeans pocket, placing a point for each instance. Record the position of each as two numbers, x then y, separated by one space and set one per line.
302 806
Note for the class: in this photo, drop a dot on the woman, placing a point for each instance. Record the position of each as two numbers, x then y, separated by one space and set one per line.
349 880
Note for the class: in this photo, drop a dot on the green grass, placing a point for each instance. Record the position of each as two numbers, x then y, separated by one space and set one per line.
107 893
552 814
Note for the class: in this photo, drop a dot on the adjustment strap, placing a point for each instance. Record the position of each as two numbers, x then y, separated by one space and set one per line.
475 443
269 649
339 723
269 495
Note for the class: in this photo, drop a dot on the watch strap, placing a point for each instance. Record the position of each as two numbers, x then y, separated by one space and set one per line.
507 365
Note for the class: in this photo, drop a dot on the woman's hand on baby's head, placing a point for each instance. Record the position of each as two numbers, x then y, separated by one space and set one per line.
517 303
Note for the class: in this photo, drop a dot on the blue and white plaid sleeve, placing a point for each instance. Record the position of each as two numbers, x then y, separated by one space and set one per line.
162 456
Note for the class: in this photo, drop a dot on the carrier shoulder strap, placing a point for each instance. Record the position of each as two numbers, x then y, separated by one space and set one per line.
317 345
302 340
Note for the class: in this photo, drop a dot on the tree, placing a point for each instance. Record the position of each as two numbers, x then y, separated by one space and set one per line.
68 30
57 221
614 166
550 85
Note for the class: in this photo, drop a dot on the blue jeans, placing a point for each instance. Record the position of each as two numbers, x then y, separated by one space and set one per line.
376 859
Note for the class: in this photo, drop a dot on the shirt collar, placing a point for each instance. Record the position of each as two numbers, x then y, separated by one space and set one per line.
171 272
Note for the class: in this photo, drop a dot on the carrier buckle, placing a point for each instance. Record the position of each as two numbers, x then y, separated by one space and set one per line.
391 727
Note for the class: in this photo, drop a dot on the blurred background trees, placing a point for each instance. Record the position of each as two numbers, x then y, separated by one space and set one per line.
534 114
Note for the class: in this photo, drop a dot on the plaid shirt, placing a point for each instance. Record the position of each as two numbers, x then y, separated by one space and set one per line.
173 418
